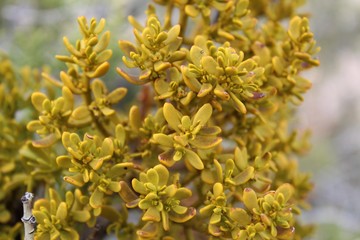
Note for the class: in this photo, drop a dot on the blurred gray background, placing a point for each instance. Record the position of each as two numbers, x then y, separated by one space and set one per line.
31 33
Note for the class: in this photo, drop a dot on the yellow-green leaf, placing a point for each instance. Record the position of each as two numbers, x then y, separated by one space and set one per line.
37 99
151 214
96 198
244 176
194 159
203 115
250 199
172 116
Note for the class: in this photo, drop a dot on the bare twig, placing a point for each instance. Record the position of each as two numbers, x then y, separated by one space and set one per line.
28 219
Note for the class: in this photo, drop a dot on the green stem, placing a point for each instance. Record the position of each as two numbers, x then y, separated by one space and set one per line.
168 15
183 23
189 233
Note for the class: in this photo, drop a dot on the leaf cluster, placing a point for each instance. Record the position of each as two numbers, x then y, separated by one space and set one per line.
206 150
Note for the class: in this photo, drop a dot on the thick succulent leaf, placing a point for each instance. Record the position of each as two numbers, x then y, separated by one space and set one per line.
208 176
131 79
172 116
40 216
96 198
214 230
116 95
139 186
114 186
215 218
103 41
161 66
165 220
218 189
64 161
65 78
167 157
180 218
182 193
62 212
207 210
177 56
37 99
183 141
107 147
189 97
209 130
286 234
191 11
99 71
239 106
203 115
133 204
126 193
205 89
163 140
163 173
286 190
151 214
240 216
241 158
34 125
120 136
103 56
161 87
144 204
190 79
68 98
98 88
221 93
76 180
294 28
210 65
135 118
244 176
80 215
196 53
107 111
148 231
46 141
170 190
219 176
180 209
205 142
247 65
172 34
119 169
250 199
81 112
153 176
194 159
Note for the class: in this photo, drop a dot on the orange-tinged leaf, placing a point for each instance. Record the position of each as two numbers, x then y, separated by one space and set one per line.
151 214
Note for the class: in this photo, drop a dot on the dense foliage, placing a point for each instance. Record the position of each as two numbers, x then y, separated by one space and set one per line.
207 150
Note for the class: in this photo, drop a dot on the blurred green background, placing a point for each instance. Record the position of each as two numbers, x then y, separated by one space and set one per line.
31 33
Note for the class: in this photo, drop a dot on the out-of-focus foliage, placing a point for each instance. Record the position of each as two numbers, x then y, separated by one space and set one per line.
207 151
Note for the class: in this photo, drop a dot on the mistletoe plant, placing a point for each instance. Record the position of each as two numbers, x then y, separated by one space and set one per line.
207 151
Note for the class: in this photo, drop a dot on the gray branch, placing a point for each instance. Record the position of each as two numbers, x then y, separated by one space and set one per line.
28 219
